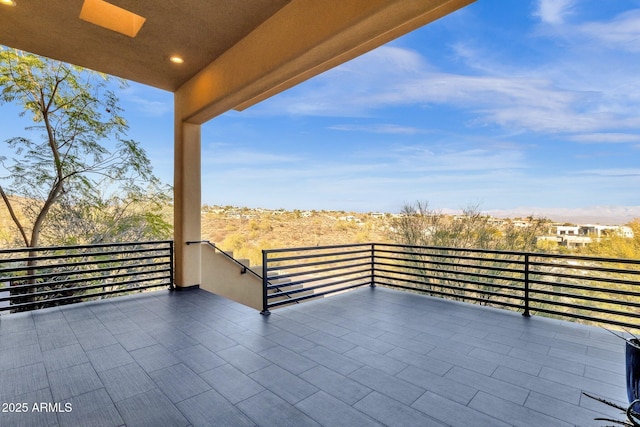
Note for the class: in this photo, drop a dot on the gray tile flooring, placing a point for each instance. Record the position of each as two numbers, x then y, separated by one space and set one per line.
364 358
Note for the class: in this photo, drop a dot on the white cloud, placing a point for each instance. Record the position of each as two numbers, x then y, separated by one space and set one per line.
380 128
220 156
373 187
553 11
622 32
519 101
452 159
148 101
577 83
151 108
346 90
618 172
606 138
572 91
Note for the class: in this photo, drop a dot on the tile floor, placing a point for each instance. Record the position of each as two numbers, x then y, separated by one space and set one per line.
368 357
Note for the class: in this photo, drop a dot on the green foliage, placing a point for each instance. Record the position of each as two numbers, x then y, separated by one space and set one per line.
606 284
234 242
74 166
130 217
419 225
614 245
447 271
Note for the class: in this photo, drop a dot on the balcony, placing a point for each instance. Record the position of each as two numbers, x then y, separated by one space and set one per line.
367 356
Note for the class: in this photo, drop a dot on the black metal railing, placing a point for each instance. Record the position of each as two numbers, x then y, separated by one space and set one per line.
306 273
592 289
33 278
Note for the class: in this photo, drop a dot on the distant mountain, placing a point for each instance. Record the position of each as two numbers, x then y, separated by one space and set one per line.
605 215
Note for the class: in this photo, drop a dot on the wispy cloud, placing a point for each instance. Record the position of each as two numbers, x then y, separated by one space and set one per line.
613 138
564 82
452 158
373 186
346 91
151 108
381 177
241 157
147 101
380 128
552 96
622 32
617 172
553 11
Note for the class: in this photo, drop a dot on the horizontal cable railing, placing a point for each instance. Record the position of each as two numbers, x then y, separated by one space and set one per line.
591 289
298 274
33 278
484 277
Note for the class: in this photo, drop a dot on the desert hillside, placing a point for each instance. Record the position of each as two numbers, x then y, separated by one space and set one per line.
247 231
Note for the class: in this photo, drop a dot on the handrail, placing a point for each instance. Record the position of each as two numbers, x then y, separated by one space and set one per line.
93 245
266 283
213 245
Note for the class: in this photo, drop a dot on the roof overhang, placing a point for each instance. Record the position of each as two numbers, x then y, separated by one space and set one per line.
236 53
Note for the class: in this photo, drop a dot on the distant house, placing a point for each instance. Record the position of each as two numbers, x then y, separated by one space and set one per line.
604 230
571 241
625 231
567 230
496 222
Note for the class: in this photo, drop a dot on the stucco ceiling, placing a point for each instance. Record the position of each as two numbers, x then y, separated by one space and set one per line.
197 30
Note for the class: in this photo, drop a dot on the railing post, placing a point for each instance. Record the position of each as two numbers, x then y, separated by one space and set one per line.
373 266
265 303
526 286
171 266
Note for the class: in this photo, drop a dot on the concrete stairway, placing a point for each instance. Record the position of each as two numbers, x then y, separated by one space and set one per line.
222 276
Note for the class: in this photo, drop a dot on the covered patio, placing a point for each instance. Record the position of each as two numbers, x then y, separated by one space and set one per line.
214 56
371 356
365 357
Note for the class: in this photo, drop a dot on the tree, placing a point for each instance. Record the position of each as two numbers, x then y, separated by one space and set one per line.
74 177
447 266
130 217
420 225
79 150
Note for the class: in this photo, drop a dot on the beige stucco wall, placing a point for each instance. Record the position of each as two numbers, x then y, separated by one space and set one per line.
223 277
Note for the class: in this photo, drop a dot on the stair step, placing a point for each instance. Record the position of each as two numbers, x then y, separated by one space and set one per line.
280 281
285 289
296 295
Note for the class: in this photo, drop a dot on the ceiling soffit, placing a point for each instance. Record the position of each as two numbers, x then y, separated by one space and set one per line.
236 52
197 30
301 40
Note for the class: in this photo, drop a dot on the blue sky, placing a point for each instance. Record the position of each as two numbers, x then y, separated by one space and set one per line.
505 104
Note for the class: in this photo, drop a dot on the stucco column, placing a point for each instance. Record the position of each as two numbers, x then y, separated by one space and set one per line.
187 201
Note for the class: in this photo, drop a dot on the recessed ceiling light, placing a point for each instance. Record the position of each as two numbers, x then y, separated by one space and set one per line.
8 2
111 17
176 59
